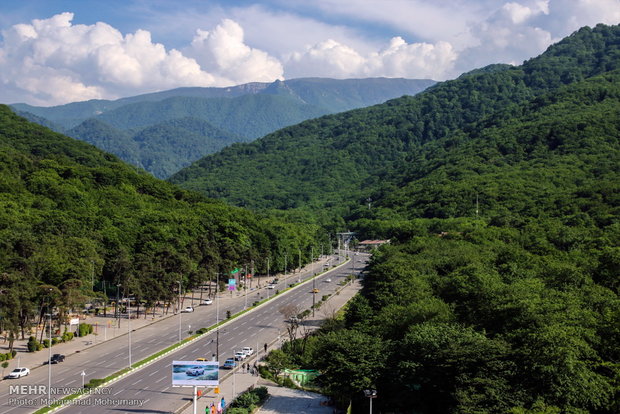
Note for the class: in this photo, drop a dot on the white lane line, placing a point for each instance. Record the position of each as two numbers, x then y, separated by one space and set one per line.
118 392
153 373
137 381
160 380
70 382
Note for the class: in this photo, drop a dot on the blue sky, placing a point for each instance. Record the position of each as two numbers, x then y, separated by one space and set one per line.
59 51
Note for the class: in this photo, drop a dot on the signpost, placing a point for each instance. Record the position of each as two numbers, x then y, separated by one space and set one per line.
195 374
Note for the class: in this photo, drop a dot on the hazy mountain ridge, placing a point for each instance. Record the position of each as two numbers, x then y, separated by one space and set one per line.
243 112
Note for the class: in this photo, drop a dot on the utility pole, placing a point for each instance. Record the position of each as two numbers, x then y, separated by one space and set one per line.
313 280
179 309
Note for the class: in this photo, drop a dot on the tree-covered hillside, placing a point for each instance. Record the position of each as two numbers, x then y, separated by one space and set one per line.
343 159
73 217
500 192
240 113
160 149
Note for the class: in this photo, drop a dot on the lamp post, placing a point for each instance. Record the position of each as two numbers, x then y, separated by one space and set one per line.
129 325
370 394
49 361
313 280
285 258
299 274
179 309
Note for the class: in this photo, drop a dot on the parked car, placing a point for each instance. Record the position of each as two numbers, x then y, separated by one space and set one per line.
56 358
188 309
240 356
271 286
195 371
229 363
328 280
19 372
207 302
294 319
247 350
315 290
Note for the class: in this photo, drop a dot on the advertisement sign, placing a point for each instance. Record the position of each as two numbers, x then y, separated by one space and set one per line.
195 373
232 283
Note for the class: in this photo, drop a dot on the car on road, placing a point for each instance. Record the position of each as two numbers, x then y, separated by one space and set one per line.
271 286
195 371
57 358
207 302
247 350
293 319
201 359
19 372
188 309
315 290
229 363
240 356
328 280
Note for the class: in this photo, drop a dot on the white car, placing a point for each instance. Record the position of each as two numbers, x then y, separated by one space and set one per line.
247 350
188 309
19 372
195 371
207 302
328 280
240 356
272 286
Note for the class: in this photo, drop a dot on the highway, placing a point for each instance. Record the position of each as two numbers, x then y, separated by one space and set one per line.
149 389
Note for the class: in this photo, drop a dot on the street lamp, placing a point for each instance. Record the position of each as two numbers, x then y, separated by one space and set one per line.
285 258
179 309
299 273
313 280
49 361
129 325
370 394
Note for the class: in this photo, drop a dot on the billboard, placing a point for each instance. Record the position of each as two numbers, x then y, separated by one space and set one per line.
195 373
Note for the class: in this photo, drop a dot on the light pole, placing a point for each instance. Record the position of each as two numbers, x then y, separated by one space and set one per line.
129 325
370 394
179 309
49 362
313 280
217 319
285 258
299 274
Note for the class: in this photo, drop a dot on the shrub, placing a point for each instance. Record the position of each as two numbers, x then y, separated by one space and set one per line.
46 343
2 357
55 340
67 336
13 353
85 329
33 344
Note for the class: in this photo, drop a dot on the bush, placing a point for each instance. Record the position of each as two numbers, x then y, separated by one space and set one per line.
2 357
67 336
33 344
55 340
46 343
237 410
94 383
85 329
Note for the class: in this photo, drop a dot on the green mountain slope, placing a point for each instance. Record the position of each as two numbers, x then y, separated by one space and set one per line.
71 215
243 112
345 158
160 149
499 290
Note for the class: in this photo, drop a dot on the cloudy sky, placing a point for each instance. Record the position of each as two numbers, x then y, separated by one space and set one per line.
58 51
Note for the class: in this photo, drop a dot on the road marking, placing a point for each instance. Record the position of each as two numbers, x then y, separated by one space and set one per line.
161 379
153 373
70 382
137 381
118 392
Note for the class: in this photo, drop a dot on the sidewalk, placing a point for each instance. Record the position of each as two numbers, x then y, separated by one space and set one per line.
282 400
107 328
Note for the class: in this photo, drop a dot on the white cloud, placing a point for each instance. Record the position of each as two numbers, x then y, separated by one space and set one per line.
223 51
52 61
398 59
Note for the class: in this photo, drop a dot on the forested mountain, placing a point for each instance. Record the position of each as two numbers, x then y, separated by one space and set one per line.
345 158
162 148
500 192
235 114
73 217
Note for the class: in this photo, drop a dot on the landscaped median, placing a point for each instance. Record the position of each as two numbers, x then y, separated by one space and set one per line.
99 382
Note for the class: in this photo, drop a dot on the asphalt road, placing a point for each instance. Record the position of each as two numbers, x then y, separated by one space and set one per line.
149 389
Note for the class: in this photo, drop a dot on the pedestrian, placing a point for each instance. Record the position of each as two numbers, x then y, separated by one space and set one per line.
265 346
255 369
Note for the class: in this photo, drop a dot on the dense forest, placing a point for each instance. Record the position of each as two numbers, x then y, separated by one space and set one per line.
500 192
165 131
74 219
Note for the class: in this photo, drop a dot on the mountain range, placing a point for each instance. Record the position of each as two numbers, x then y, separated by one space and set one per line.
165 131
